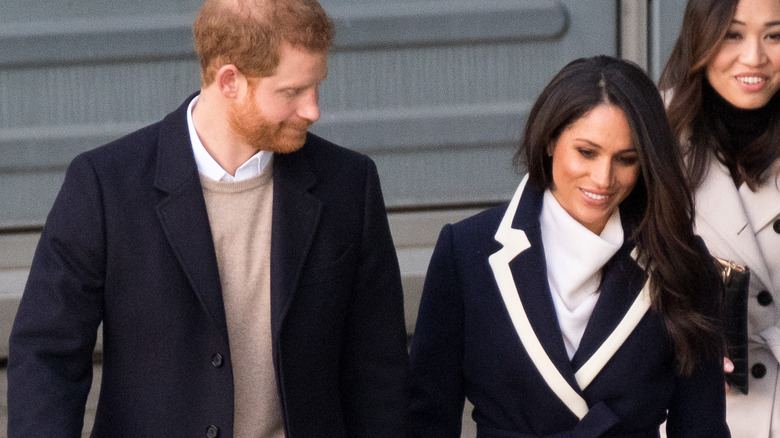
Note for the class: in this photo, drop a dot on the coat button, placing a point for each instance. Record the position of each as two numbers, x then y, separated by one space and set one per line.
212 431
758 371
764 298
776 226
217 360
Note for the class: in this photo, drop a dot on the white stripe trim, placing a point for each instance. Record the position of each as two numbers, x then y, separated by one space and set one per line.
514 242
596 363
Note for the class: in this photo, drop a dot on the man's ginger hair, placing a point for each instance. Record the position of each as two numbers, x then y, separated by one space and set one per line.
250 33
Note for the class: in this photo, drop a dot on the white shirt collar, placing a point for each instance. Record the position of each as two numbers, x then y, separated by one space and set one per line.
209 167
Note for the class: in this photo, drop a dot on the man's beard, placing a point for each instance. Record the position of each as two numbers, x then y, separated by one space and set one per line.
250 125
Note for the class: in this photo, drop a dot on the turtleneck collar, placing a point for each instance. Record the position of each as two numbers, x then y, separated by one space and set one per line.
575 257
742 126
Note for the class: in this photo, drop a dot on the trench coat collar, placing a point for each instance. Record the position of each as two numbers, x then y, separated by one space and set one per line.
519 271
718 203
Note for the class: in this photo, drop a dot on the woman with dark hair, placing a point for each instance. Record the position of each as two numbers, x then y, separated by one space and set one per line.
721 86
581 308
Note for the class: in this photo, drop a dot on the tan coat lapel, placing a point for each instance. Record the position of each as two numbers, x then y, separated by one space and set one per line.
722 222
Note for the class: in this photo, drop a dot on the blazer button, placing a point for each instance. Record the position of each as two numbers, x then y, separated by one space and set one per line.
764 298
212 431
217 360
758 371
776 226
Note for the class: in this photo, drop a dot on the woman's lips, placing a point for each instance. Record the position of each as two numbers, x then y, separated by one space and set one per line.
751 82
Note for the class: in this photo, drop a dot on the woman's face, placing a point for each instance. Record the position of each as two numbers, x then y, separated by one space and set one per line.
746 69
594 166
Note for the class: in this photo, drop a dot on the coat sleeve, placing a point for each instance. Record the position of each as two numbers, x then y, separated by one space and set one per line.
374 356
54 333
698 407
436 360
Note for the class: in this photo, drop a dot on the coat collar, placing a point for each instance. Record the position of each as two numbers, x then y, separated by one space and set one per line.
296 215
516 268
182 212
622 279
718 203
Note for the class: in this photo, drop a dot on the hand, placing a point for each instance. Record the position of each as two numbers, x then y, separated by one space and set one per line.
728 367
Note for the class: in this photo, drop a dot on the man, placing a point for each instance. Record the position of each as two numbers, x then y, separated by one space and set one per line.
242 269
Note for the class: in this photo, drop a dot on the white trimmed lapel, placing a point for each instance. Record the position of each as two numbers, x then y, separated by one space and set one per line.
590 369
623 279
514 242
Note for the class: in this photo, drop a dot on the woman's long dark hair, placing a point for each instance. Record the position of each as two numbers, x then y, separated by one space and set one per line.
704 26
660 206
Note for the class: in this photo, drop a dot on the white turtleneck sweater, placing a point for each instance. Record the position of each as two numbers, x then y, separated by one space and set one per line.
575 256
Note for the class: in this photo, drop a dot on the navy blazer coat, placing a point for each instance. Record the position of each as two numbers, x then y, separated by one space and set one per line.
128 244
467 343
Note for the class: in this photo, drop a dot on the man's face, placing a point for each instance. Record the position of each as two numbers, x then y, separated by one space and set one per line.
276 111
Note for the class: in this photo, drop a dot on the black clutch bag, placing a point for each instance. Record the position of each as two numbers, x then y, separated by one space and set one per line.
734 305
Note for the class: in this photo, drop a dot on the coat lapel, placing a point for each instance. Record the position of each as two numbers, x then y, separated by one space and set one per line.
623 301
296 214
622 280
520 273
182 213
529 272
716 199
515 241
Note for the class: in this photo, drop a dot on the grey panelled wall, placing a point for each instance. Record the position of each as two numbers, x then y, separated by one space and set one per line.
666 19
76 74
435 91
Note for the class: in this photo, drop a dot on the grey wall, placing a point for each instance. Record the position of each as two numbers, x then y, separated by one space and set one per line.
665 20
435 91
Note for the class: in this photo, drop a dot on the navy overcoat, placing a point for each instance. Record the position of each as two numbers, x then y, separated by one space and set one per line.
487 331
128 244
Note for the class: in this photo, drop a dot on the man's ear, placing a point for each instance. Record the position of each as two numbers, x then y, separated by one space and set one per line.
230 81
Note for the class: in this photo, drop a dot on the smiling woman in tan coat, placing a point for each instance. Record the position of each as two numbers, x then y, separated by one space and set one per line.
724 74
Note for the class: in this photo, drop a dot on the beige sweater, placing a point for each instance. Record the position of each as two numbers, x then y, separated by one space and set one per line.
240 218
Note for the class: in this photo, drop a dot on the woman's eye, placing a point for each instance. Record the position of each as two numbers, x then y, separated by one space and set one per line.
732 35
627 161
774 36
587 153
